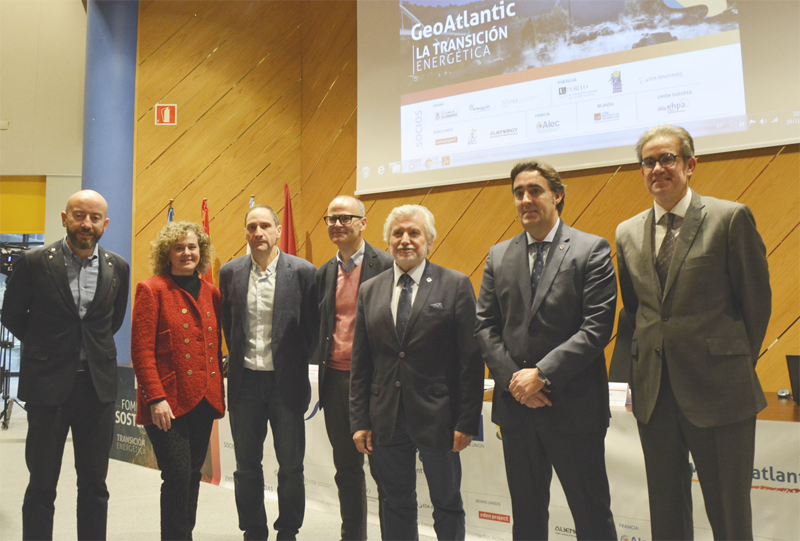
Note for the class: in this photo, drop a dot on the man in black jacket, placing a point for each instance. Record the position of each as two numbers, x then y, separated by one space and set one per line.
64 302
338 283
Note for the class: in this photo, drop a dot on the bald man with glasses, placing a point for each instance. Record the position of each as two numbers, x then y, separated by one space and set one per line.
338 282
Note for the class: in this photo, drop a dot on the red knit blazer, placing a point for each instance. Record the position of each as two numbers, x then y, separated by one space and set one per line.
175 347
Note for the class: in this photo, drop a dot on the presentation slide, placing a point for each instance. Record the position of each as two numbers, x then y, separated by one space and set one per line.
454 91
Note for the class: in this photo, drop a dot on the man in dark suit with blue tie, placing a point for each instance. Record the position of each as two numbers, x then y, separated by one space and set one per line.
270 321
416 378
65 302
545 313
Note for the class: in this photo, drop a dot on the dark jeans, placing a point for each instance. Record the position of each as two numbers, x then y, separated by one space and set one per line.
396 473
349 463
531 452
92 424
180 452
259 404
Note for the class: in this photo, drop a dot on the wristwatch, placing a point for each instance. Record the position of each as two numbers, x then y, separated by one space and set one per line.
542 378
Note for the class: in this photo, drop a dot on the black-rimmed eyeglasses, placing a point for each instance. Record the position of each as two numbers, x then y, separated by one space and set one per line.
666 160
344 219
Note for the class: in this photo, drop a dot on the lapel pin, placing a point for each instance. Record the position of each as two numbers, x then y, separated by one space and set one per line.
50 256
370 264
561 247
52 249
429 279
109 264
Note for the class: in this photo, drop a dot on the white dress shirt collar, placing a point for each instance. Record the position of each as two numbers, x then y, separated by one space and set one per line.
415 273
256 268
679 210
548 238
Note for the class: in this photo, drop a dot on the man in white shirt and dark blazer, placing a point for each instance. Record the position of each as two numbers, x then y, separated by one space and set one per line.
416 378
271 325
695 284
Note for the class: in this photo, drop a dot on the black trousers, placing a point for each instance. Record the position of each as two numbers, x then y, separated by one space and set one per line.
180 453
532 451
92 425
349 463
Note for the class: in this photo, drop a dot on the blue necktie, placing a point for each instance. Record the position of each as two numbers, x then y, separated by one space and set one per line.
404 305
538 266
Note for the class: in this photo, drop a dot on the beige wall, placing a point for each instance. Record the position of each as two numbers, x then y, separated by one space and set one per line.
59 188
42 58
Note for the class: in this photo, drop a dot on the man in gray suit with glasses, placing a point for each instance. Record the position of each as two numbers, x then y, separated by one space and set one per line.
695 283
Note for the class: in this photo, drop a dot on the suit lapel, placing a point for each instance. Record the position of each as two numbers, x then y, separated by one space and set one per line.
241 284
646 245
385 289
555 255
330 285
429 278
369 268
283 278
516 259
105 280
691 225
56 262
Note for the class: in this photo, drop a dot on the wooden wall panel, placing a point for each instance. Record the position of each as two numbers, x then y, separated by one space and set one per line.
161 21
336 164
335 111
292 118
448 205
484 221
729 174
774 197
217 130
182 52
784 268
215 76
329 43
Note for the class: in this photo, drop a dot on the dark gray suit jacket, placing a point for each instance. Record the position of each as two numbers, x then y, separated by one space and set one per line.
711 319
39 309
295 325
374 263
562 331
437 366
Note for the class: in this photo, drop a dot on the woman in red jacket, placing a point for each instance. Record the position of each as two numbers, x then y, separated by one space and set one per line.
176 355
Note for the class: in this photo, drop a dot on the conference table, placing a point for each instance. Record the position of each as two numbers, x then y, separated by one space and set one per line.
776 490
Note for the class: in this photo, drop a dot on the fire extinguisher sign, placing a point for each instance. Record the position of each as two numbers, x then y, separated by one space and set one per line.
166 114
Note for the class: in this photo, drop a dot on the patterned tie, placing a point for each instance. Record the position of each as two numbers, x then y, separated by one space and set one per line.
664 257
538 265
404 305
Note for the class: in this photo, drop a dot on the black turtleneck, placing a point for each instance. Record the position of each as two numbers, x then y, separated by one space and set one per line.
190 284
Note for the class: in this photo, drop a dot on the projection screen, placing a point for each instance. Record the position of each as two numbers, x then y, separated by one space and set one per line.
454 91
